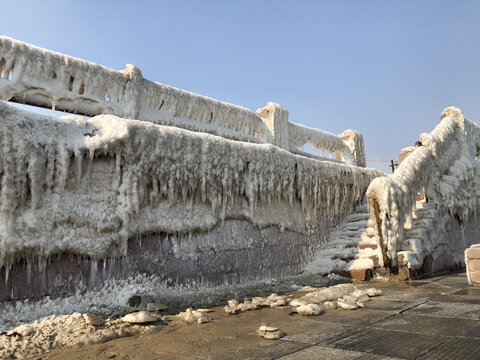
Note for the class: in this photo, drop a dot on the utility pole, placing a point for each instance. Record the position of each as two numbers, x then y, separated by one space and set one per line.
393 164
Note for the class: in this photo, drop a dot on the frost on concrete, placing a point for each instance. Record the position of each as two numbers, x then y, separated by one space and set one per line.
84 186
447 169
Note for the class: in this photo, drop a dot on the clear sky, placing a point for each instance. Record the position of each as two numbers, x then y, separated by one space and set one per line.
384 68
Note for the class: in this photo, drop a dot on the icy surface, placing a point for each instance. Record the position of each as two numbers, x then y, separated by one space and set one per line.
85 186
63 330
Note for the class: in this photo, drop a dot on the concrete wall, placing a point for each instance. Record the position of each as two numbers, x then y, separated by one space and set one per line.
448 254
256 255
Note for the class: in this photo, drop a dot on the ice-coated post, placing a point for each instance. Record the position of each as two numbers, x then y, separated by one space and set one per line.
132 92
354 141
275 118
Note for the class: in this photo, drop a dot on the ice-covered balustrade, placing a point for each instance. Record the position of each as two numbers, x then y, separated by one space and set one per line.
40 77
86 186
318 139
446 168
351 151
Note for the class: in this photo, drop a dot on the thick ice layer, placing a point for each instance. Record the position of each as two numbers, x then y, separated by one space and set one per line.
445 167
85 186
29 74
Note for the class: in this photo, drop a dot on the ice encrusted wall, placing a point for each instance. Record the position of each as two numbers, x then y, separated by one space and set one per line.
85 186
446 167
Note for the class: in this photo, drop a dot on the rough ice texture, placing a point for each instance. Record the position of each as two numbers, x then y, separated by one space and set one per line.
30 74
32 340
40 77
354 140
85 186
447 169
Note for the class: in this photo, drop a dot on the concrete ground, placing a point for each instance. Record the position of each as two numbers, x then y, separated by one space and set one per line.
436 318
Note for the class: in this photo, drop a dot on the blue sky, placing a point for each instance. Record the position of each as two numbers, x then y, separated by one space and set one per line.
384 68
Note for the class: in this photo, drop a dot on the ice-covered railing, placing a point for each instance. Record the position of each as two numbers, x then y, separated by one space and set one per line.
40 77
347 147
445 167
350 151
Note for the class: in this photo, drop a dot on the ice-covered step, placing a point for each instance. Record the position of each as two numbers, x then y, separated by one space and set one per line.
368 238
421 222
351 233
357 217
372 254
356 226
344 243
361 265
371 232
331 253
350 251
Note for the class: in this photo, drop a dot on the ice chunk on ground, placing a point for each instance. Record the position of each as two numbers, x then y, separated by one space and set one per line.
347 304
309 309
269 332
140 317
193 316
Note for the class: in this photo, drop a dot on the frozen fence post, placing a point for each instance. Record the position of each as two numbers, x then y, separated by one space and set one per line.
354 141
133 86
275 117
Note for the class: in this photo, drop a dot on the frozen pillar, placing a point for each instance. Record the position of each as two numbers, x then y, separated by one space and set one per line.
354 141
133 89
275 118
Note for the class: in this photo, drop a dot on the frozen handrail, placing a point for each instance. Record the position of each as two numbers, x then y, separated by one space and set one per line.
300 135
35 76
442 166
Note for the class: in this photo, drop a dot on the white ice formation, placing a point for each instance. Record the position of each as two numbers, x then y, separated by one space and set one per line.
269 332
56 331
85 186
191 316
40 77
447 170
139 317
